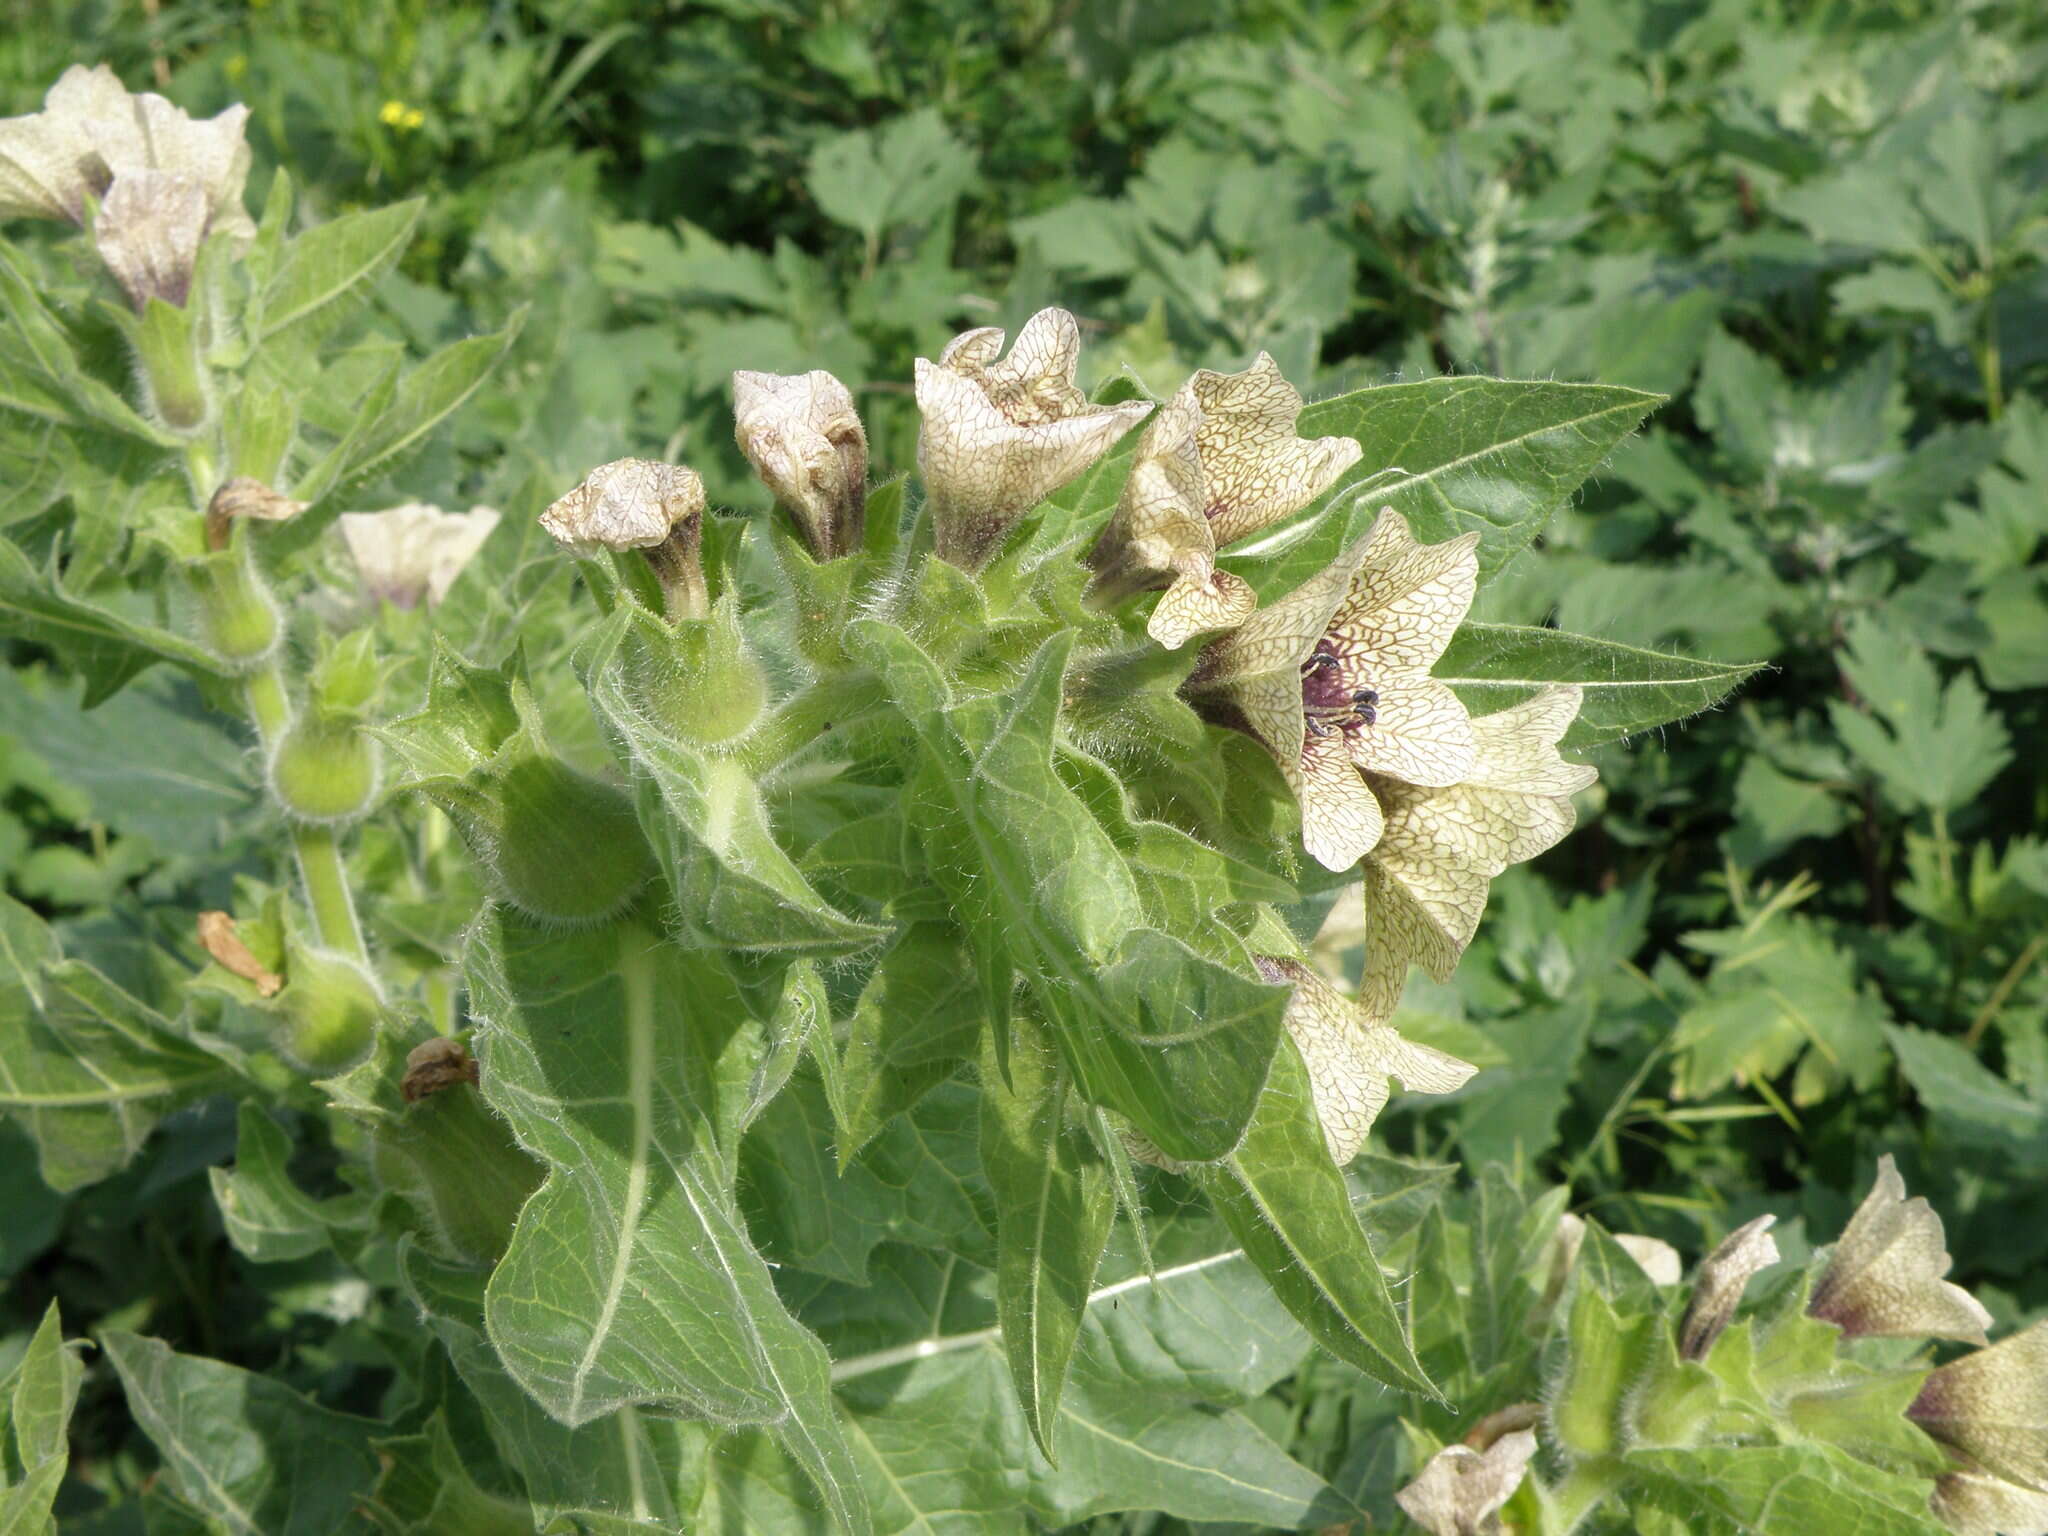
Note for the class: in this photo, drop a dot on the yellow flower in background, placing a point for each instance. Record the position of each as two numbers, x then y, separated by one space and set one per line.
396 114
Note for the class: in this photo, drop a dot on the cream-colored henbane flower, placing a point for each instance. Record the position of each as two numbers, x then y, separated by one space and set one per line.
148 233
166 181
1220 461
1426 879
1724 1275
646 505
804 439
999 437
1334 679
1351 1056
1992 1405
1884 1277
1971 1502
1460 1491
414 551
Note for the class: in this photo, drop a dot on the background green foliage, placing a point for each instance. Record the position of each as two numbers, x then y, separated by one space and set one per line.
1807 929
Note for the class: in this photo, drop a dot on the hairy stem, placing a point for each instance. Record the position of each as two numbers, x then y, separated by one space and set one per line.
321 872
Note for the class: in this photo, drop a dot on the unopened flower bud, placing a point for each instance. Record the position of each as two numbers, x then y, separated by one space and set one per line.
999 437
1992 1405
1723 1276
563 848
1460 1491
148 233
804 438
413 553
1884 1277
238 617
452 1157
325 771
640 504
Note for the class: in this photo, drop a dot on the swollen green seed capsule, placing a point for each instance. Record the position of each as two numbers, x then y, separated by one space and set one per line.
561 847
701 684
328 1011
325 772
238 617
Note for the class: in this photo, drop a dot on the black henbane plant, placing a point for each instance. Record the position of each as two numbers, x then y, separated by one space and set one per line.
753 996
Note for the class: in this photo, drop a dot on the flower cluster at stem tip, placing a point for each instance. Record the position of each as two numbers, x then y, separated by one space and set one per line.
1791 1374
1394 778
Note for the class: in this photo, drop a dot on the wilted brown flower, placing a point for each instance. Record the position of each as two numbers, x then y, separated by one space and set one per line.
1460 1491
640 504
1724 1275
245 496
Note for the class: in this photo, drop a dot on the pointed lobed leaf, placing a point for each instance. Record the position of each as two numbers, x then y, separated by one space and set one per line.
1623 689
1491 456
1172 1039
1054 1205
36 1400
329 269
267 1217
735 887
1289 1206
250 1455
85 1069
1784 1490
614 1473
107 647
634 1241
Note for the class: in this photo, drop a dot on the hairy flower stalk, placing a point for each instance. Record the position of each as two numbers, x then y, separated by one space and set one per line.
165 181
413 553
1351 1057
1220 461
1884 1278
1000 436
804 438
1427 877
1334 680
640 504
